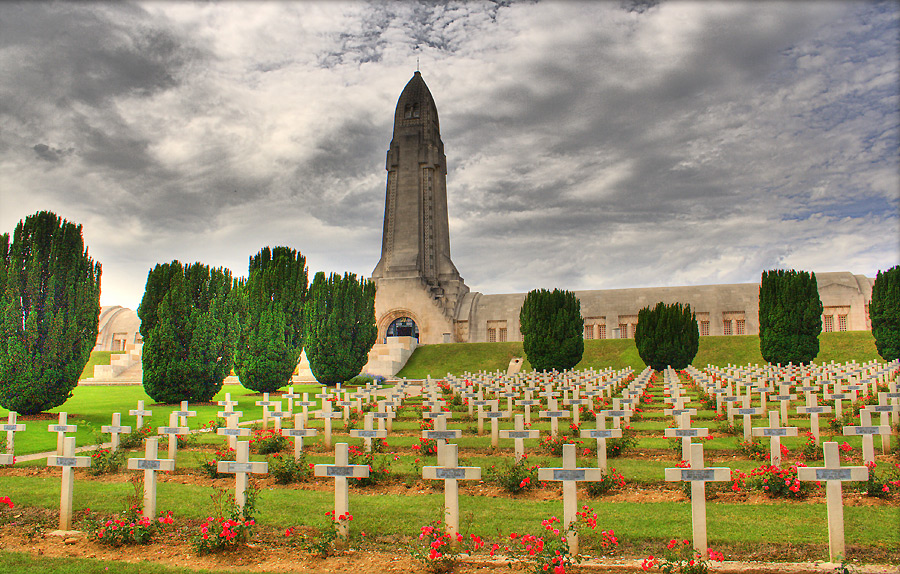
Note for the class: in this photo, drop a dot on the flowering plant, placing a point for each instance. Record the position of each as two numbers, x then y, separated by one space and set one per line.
231 526
328 541
268 441
514 476
286 469
779 482
553 445
135 438
106 461
379 466
210 466
883 483
680 558
609 482
132 528
439 550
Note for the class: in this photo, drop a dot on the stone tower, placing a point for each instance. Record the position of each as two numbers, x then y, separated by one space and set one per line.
419 288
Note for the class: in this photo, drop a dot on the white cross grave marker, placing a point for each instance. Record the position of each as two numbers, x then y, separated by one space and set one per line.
11 428
519 434
173 431
368 433
554 415
774 431
601 433
328 414
569 475
140 413
67 461
184 413
340 471
232 430
299 432
61 428
833 473
240 467
150 464
867 431
115 429
698 476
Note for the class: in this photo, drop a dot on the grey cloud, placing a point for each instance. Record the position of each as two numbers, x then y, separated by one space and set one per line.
50 154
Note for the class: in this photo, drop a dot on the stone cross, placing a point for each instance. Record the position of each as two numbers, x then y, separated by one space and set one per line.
813 410
440 433
277 414
61 428
837 397
340 471
115 429
885 409
67 461
495 417
265 414
698 476
528 403
240 467
328 414
569 475
150 464
11 428
481 403
299 433
305 403
554 415
616 413
774 431
685 433
232 431
747 411
140 413
184 413
601 433
833 473
368 433
785 399
575 403
290 396
519 434
229 408
173 431
451 474
867 430
385 413
510 396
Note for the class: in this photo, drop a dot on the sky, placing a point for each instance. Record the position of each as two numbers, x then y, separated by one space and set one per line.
590 145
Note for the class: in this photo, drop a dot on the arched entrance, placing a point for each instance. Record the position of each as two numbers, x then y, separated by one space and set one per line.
403 327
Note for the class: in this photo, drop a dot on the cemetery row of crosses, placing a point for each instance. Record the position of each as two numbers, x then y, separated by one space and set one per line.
579 421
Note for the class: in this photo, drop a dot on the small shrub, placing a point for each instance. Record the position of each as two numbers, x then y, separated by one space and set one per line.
810 450
438 551
210 466
610 481
514 477
327 541
285 469
680 558
554 445
227 528
268 441
753 449
779 482
106 461
379 466
135 439
616 447
883 482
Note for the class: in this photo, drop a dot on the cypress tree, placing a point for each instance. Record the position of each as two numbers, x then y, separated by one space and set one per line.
552 329
667 335
884 311
49 311
272 319
790 316
190 328
340 326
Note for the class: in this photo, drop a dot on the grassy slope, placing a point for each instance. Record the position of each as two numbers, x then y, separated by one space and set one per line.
438 360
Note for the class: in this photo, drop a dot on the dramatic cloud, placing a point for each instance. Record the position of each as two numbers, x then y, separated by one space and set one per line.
590 145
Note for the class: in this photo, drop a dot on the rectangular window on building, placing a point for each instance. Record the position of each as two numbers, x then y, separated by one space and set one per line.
492 335
588 331
842 322
502 334
828 323
601 331
623 330
704 328
726 327
739 326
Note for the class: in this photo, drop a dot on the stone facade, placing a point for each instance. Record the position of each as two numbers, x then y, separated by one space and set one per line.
117 328
417 281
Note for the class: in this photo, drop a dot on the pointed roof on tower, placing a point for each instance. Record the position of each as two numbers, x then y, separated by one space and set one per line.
415 103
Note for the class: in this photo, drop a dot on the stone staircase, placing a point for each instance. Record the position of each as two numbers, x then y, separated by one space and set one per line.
122 366
386 359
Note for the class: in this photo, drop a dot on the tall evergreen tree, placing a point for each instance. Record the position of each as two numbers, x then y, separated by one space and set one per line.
190 328
272 319
49 309
340 326
667 335
552 328
790 316
884 311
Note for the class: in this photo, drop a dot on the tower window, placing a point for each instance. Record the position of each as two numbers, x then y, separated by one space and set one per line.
411 111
